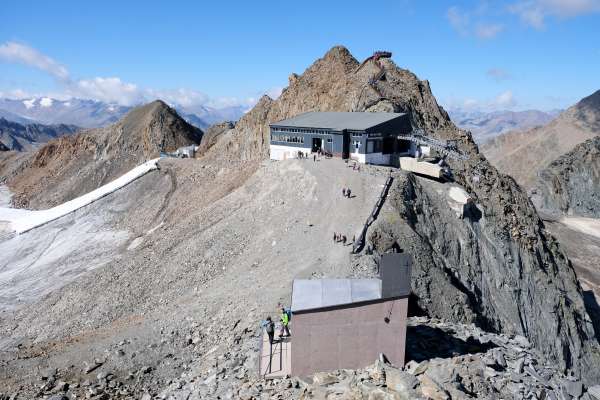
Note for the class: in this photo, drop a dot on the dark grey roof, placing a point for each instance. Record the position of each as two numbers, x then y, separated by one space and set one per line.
310 294
338 121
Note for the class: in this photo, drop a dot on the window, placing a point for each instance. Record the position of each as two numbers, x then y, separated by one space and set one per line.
329 140
356 134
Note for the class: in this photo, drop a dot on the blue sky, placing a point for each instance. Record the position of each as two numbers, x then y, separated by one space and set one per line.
516 54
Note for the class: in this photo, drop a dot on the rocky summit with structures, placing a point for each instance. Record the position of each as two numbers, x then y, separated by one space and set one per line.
158 289
570 185
498 264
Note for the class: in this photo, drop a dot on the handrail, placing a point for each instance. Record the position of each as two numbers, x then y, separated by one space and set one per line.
446 147
360 242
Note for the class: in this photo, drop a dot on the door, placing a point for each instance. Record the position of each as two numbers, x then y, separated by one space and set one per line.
346 145
317 144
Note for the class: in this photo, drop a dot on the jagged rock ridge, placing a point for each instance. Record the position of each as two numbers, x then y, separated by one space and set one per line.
71 166
501 270
570 185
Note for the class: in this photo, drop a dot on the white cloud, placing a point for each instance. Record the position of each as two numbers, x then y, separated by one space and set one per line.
15 94
488 31
535 12
504 100
21 53
458 19
469 23
498 74
110 89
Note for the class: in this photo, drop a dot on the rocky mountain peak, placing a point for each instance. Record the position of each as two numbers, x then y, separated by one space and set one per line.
335 83
511 231
80 163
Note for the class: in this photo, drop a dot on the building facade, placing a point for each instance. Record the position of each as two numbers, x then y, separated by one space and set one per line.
366 137
347 323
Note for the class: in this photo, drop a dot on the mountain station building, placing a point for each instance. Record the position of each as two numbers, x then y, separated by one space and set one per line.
370 138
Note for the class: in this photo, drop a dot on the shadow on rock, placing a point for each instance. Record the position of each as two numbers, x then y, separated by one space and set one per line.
593 310
425 342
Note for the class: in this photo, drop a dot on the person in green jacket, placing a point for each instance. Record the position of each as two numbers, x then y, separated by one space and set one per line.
285 320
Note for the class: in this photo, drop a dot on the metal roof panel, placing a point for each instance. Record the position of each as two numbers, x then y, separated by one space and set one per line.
338 121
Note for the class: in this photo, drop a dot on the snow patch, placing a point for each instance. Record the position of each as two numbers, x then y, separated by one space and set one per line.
46 102
29 103
25 220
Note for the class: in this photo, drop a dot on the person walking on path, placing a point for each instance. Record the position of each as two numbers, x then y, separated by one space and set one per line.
314 158
285 320
348 191
343 192
270 328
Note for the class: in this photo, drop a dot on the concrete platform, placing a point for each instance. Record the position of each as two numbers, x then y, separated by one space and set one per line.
281 361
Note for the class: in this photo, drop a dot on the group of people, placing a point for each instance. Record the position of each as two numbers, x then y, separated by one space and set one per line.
346 192
284 330
338 237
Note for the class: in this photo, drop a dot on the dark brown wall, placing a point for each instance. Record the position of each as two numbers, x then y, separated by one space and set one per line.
350 337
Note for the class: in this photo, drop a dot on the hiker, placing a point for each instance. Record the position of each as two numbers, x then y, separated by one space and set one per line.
270 328
348 191
344 240
285 320
343 192
314 158
353 238
334 236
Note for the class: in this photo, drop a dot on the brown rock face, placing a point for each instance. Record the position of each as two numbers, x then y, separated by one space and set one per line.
500 269
523 154
71 166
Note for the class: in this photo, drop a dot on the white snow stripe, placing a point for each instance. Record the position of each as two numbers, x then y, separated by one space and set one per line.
25 220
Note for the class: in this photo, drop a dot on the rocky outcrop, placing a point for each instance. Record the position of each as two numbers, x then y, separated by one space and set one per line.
70 166
515 281
522 154
500 269
570 185
3 147
212 135
444 361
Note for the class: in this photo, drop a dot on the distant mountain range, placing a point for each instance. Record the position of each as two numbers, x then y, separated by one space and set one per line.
21 137
487 125
94 114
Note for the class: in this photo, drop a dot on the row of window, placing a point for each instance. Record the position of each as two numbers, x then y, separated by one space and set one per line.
287 138
300 130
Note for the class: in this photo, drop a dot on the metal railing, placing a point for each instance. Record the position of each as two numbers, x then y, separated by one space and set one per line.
360 241
447 147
